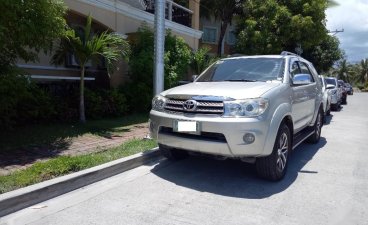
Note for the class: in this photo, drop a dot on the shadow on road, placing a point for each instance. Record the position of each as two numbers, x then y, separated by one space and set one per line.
328 119
234 178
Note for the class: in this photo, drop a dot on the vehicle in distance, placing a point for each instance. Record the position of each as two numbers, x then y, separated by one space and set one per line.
344 93
253 108
326 97
332 85
349 89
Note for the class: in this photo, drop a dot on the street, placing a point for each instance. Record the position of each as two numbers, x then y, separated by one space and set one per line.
326 183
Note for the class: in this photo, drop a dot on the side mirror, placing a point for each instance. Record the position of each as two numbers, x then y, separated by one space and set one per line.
330 86
194 77
302 79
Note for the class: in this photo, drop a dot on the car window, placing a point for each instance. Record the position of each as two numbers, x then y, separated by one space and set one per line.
330 81
244 69
294 69
305 70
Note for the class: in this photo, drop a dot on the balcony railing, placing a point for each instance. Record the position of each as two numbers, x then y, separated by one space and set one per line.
173 12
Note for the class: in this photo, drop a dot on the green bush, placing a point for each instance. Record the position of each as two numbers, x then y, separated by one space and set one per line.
177 59
23 101
360 86
201 60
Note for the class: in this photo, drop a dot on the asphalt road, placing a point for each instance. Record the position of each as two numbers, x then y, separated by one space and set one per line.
326 183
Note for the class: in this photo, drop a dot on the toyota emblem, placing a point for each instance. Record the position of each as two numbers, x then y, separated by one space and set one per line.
190 105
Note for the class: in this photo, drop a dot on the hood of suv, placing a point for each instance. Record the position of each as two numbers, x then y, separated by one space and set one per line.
235 90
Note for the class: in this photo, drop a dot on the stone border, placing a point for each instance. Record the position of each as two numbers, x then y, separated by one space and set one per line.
13 201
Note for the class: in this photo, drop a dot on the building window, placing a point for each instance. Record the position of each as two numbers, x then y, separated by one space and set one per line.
209 34
231 37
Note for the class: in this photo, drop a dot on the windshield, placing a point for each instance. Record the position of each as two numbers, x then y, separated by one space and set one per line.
244 70
330 81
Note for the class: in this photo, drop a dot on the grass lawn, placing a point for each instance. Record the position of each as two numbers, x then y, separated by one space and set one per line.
62 165
56 133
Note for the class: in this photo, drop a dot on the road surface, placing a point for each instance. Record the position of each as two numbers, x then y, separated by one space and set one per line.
326 183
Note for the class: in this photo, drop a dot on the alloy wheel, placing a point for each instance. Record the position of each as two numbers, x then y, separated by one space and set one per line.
282 152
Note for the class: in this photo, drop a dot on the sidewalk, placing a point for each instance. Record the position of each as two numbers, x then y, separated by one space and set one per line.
22 158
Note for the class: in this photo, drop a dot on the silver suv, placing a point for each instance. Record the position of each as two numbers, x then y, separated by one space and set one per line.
254 108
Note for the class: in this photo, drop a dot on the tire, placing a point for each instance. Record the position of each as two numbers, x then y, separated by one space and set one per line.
344 102
328 111
317 127
274 166
172 153
334 107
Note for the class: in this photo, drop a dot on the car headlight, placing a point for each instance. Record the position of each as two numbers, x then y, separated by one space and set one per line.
245 108
158 103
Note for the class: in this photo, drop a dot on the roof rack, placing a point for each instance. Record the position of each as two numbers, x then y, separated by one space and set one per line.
288 53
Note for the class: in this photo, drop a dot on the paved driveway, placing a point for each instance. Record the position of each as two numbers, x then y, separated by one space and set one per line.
326 183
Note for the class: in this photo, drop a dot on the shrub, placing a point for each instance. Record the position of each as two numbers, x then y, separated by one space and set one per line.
201 60
94 104
360 86
23 101
177 59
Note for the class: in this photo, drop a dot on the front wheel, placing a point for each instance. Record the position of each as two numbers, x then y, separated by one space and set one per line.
273 167
314 138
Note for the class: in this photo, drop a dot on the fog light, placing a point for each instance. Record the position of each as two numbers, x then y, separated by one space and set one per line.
249 138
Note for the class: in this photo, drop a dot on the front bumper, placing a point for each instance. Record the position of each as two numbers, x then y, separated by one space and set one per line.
219 135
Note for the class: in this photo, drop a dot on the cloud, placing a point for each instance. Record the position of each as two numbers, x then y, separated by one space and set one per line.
352 16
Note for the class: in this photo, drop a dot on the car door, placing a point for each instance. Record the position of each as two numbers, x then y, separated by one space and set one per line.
303 96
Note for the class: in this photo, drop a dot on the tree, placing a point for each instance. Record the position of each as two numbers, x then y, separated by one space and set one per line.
363 73
201 60
28 27
271 26
87 47
325 54
223 10
177 58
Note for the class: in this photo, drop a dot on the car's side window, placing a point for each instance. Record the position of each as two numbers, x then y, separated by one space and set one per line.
305 70
294 69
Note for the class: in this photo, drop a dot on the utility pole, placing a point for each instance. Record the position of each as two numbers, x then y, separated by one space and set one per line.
334 32
158 81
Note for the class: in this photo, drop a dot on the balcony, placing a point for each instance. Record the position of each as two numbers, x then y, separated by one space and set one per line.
173 11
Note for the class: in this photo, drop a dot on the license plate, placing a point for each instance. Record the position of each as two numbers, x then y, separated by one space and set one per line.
186 126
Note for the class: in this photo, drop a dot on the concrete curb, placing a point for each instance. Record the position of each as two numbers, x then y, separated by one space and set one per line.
19 199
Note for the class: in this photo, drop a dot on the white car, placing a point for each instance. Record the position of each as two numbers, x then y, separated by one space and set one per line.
326 97
253 108
336 92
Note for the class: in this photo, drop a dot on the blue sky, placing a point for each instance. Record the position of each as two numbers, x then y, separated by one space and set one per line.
352 16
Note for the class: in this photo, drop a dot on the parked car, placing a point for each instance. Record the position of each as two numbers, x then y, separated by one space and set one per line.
253 108
344 93
349 89
332 85
326 97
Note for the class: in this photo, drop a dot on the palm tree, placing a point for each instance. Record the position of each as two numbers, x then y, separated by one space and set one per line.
363 76
87 47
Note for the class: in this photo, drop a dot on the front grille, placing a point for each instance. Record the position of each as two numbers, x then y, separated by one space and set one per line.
208 136
203 107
